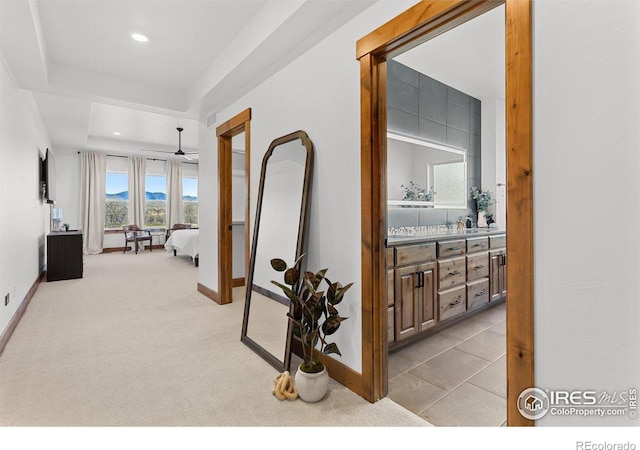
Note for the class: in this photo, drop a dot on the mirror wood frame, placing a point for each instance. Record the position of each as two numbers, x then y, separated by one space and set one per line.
280 365
417 25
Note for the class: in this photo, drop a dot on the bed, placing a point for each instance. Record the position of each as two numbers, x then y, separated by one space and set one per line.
184 242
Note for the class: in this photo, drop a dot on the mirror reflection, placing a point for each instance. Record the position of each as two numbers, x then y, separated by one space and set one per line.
425 174
278 233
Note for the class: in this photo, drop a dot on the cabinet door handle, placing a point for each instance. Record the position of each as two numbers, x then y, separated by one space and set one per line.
455 272
504 260
419 280
480 294
479 245
454 248
480 266
457 302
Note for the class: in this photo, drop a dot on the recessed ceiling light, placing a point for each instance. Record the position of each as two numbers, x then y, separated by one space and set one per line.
117 133
139 37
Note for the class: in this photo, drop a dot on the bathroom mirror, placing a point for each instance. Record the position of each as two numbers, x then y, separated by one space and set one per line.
426 174
279 232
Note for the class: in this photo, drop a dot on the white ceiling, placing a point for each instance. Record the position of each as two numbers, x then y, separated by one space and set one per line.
469 57
89 78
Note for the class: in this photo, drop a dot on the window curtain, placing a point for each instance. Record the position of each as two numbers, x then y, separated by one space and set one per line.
93 176
175 213
137 174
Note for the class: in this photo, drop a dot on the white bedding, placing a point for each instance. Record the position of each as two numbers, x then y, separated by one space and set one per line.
183 242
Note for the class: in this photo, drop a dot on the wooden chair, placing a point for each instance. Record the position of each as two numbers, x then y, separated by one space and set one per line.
177 226
133 233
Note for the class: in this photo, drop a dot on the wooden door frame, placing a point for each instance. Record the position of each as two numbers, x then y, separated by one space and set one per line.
418 24
225 133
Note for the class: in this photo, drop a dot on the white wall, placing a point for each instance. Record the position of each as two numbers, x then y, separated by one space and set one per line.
320 94
493 141
68 186
24 220
586 210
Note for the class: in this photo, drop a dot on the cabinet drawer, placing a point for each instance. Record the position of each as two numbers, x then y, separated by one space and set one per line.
497 241
451 248
477 266
390 319
415 253
477 244
477 293
451 272
451 302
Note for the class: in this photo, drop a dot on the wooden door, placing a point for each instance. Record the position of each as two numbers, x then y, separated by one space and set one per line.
406 299
426 295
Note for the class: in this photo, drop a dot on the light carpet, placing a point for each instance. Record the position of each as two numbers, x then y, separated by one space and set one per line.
134 344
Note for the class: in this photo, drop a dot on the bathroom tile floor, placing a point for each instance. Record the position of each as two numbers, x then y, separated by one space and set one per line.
456 377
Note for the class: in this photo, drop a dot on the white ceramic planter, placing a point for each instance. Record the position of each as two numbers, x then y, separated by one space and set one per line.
312 387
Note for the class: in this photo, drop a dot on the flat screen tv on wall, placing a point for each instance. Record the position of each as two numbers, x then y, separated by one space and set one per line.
48 178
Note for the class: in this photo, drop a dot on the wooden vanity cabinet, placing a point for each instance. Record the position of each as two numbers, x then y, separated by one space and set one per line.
430 283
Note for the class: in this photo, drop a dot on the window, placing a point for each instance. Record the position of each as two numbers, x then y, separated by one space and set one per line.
117 200
155 205
190 200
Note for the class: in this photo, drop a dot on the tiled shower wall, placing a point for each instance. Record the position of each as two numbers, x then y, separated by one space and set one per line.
423 107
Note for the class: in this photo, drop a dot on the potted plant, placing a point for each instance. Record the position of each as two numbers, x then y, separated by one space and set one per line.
414 192
313 317
483 200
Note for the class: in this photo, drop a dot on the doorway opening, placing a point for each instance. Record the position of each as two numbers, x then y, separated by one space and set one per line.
233 203
417 25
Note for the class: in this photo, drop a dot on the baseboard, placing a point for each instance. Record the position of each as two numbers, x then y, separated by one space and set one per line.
341 373
121 249
237 282
6 335
210 293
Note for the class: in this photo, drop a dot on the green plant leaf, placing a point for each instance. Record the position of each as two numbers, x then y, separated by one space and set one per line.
291 276
332 324
341 292
332 310
279 264
331 348
288 292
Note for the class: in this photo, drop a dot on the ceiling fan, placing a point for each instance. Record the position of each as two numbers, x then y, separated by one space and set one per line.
180 152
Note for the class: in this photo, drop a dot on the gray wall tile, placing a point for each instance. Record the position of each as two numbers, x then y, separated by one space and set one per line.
457 116
403 73
431 216
402 122
432 131
402 217
402 96
458 97
475 144
474 167
457 138
474 123
475 105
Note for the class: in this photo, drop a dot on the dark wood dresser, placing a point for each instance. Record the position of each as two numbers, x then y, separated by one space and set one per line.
64 255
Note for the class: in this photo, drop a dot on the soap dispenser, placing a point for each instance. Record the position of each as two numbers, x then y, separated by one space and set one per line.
469 222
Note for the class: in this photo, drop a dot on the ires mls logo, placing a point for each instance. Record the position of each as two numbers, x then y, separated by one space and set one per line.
534 403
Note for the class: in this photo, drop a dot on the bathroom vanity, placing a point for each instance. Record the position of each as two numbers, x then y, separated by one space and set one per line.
434 280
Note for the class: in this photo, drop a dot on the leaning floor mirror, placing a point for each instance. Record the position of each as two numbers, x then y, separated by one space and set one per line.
279 232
